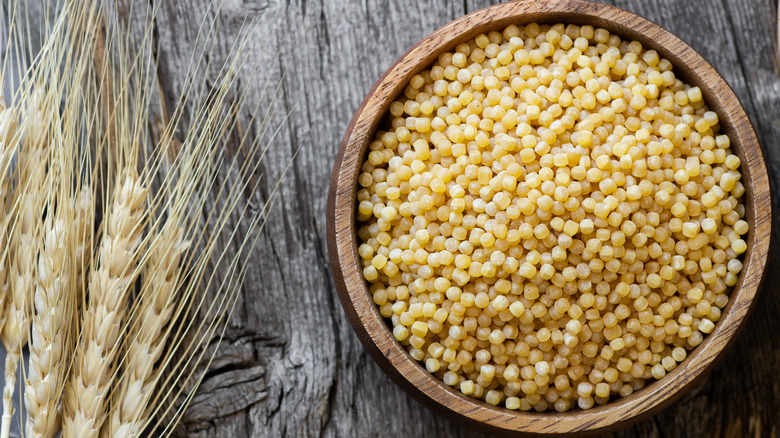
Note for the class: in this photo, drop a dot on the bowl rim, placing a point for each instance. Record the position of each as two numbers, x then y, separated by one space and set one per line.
371 327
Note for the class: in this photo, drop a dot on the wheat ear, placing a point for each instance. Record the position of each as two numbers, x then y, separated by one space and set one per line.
23 249
147 334
58 292
109 284
14 334
52 306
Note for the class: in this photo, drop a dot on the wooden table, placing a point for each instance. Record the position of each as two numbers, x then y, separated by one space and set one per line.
290 364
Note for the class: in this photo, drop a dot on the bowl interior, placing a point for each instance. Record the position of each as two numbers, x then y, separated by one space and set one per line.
373 329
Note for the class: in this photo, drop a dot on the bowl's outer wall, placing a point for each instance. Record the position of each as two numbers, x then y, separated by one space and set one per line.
371 327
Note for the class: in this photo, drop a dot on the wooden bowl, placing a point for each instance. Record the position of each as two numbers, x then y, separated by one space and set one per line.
373 330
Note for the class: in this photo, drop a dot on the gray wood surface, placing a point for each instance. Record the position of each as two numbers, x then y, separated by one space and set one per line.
290 364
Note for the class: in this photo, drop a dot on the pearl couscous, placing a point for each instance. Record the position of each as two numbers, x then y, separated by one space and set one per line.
551 218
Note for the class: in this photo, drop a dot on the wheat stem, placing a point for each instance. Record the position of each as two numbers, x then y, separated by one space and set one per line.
109 284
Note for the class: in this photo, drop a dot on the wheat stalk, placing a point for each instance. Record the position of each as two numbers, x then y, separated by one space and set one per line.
163 297
51 308
64 221
147 334
31 295
55 302
109 283
60 270
61 267
24 244
14 334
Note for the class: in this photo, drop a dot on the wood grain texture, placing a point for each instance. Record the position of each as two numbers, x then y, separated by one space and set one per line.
291 364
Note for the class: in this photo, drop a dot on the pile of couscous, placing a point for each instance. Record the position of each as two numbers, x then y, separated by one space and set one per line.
550 217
